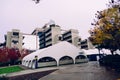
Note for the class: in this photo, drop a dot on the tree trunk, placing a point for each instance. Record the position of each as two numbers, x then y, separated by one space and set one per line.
99 53
112 52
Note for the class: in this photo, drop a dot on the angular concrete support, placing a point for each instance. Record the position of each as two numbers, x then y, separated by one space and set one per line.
74 60
57 62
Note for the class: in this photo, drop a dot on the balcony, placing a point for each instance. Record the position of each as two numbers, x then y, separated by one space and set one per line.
47 38
48 44
67 33
48 35
48 30
68 37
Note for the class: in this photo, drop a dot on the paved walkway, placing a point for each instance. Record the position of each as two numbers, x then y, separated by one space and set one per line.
28 71
87 71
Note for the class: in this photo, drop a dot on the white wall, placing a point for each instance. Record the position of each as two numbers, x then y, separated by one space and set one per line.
30 42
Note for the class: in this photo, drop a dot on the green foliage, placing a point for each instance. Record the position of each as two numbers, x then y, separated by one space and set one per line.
106 31
10 69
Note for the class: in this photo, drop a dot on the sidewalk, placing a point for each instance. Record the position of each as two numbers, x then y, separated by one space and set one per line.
84 71
34 74
29 71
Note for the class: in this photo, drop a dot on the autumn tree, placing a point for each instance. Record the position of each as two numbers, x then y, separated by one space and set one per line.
106 31
13 55
9 55
3 55
24 52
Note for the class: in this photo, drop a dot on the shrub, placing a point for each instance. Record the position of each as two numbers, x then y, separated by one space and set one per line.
112 61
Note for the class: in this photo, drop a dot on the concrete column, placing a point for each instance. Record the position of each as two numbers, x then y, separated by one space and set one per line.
74 60
57 62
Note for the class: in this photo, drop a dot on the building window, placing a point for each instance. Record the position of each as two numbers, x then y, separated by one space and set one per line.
49 40
14 41
69 32
48 35
48 30
70 41
84 46
49 45
15 33
68 37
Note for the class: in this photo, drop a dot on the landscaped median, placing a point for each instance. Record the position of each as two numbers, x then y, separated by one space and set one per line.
19 73
5 70
10 69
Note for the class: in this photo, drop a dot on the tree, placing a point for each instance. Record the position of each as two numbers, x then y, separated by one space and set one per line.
106 31
13 55
3 55
9 56
24 52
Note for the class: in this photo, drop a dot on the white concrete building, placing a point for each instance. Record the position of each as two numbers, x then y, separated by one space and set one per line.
51 34
48 35
30 42
14 39
17 39
71 36
86 44
58 54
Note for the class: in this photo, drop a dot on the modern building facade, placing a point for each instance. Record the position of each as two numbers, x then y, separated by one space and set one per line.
51 34
71 36
86 44
14 39
19 40
30 42
48 35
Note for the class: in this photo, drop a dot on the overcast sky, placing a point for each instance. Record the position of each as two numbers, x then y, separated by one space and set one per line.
69 14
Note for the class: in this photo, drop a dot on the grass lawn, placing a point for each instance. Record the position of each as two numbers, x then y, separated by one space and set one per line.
10 69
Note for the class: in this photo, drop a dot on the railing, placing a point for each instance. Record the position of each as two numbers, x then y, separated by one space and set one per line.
62 62
81 60
46 64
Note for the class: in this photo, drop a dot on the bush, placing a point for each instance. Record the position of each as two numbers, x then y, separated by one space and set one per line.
4 64
112 61
17 62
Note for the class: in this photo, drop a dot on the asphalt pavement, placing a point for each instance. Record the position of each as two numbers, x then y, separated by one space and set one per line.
85 71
